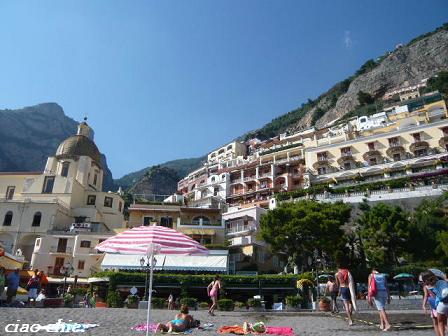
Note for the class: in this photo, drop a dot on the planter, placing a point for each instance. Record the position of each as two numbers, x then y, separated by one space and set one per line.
324 306
132 305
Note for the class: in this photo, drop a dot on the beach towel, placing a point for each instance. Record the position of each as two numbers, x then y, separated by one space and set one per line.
153 326
235 329
287 331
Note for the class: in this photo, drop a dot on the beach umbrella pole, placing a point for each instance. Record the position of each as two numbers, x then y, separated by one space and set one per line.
148 314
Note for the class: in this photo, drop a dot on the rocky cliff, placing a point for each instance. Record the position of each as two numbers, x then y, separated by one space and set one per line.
423 57
29 135
157 181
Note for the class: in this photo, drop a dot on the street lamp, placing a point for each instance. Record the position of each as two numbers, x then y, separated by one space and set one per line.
67 269
142 264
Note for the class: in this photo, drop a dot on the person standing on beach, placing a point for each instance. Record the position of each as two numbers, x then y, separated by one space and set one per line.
333 289
429 298
13 280
378 292
344 281
212 291
170 302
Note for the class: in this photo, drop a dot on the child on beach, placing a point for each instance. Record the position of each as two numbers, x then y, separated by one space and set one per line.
212 291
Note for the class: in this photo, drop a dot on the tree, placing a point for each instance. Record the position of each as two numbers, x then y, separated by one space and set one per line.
301 228
365 98
428 240
384 231
439 82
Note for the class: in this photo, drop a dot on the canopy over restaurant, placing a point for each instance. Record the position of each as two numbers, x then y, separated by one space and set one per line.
215 261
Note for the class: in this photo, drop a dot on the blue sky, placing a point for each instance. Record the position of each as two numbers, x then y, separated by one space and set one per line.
163 80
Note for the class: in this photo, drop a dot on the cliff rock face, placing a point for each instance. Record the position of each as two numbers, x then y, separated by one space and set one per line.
412 63
157 181
29 135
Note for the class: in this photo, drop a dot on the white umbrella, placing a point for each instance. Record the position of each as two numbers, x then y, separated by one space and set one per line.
151 240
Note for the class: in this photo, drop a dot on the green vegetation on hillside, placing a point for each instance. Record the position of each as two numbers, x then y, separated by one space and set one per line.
182 167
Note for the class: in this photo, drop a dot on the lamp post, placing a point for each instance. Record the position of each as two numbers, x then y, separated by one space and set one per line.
142 264
67 269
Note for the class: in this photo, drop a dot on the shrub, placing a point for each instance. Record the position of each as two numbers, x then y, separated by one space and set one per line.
158 302
188 301
68 298
203 305
293 301
114 300
225 304
239 304
254 303
132 299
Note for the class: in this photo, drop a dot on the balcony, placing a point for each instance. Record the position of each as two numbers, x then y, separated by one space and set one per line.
250 178
265 175
418 145
60 250
236 181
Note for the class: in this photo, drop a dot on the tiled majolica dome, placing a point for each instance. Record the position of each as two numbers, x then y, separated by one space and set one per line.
79 145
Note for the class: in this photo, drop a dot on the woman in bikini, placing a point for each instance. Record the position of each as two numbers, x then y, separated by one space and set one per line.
343 279
212 291
180 323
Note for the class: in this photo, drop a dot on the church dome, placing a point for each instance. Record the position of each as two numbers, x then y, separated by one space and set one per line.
79 145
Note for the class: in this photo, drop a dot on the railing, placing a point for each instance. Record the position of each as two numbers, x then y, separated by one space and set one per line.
203 224
250 178
346 154
236 181
56 249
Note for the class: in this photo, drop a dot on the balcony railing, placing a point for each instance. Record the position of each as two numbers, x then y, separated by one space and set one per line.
208 224
57 249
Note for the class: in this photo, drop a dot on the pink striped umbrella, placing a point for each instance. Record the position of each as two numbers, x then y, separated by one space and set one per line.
137 240
151 240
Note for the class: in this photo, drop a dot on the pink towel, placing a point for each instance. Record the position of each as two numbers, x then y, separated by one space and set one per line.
287 331
142 327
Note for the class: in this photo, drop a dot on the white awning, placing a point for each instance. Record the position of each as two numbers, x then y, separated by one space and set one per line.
70 280
213 262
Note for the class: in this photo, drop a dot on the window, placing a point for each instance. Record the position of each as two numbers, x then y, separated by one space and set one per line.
347 165
394 142
48 185
322 156
346 151
203 219
372 161
215 191
120 205
371 146
85 243
108 202
36 219
397 157
166 221
213 179
421 152
95 178
91 199
147 221
65 167
322 170
81 264
417 137
229 147
8 219
10 192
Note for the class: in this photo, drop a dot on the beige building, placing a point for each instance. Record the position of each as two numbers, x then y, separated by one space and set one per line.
38 207
204 225
411 139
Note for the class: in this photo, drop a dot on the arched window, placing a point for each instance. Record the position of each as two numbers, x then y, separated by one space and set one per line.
8 219
65 167
197 220
36 219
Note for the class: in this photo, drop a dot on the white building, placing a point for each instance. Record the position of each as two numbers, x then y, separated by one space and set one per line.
38 209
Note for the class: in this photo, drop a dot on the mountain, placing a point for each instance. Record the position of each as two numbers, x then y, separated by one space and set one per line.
181 167
31 134
421 58
157 180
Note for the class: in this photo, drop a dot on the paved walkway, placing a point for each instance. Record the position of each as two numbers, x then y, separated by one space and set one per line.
119 321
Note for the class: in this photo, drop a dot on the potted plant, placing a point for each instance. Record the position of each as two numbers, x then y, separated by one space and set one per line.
225 304
114 300
324 304
293 302
189 301
132 301
238 305
204 305
158 303
68 300
254 304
